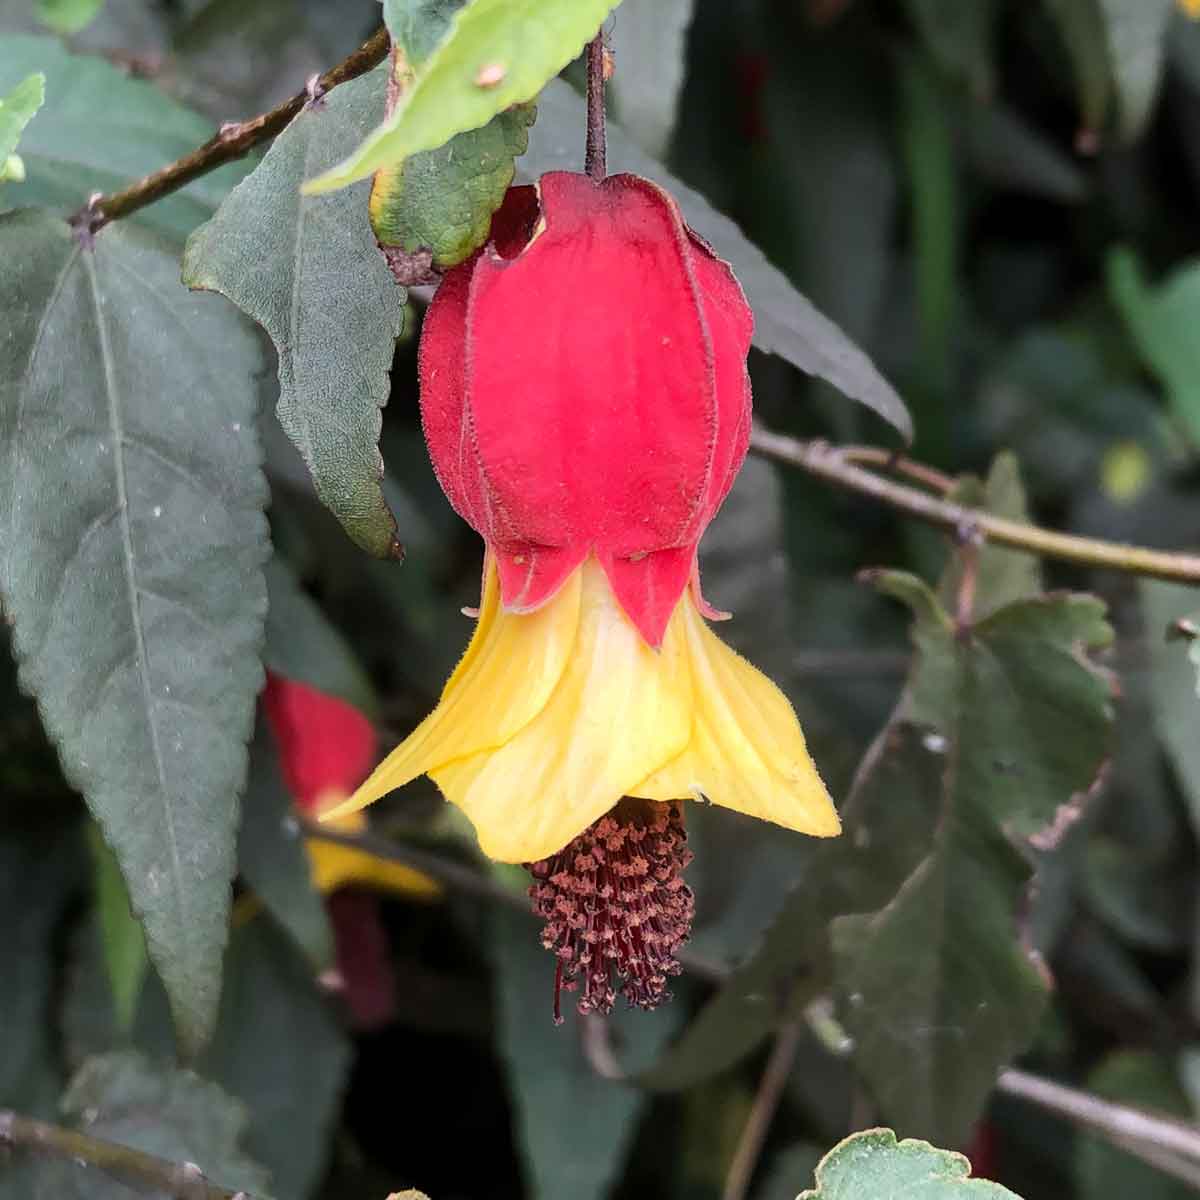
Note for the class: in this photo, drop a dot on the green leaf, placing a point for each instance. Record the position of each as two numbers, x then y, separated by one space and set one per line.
934 989
417 26
41 865
1082 27
124 942
176 1115
550 1077
1015 156
274 859
959 37
1137 35
309 272
648 44
68 16
98 131
1002 575
1141 1079
873 1164
132 572
441 201
17 109
785 322
495 54
281 1050
1162 322
1173 682
304 646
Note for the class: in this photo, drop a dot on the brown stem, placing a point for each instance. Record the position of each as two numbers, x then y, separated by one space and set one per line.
762 1112
144 1172
831 464
595 160
231 141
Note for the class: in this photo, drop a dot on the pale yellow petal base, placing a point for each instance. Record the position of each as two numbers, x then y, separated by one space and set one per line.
553 716
332 866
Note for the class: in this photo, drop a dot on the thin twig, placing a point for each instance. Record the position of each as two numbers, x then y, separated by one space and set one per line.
230 142
1156 1138
144 1172
828 462
762 1112
888 460
596 155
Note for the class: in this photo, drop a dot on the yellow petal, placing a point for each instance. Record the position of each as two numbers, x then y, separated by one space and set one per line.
746 751
619 710
1191 7
332 866
502 682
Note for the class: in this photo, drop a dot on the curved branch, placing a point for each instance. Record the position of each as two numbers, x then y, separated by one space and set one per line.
144 1172
230 142
836 466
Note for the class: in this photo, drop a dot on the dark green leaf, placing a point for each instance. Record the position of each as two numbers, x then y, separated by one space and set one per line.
552 1081
785 322
309 272
441 201
100 130
873 1164
959 37
1137 35
274 859
495 53
173 1114
1014 156
304 646
1141 1079
1082 27
648 43
281 1050
133 568
1173 682
1002 575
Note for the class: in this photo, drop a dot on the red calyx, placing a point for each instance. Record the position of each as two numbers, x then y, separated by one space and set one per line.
584 391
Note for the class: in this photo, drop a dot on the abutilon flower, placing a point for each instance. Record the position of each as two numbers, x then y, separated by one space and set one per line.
326 747
586 403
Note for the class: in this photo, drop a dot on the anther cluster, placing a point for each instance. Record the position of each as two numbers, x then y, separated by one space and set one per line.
615 906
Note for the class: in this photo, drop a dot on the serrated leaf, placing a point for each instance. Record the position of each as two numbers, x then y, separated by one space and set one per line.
496 53
309 272
417 26
176 1115
68 16
442 200
304 646
274 859
1162 321
17 109
132 571
1002 575
648 44
100 130
934 989
785 323
887 823
873 1164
